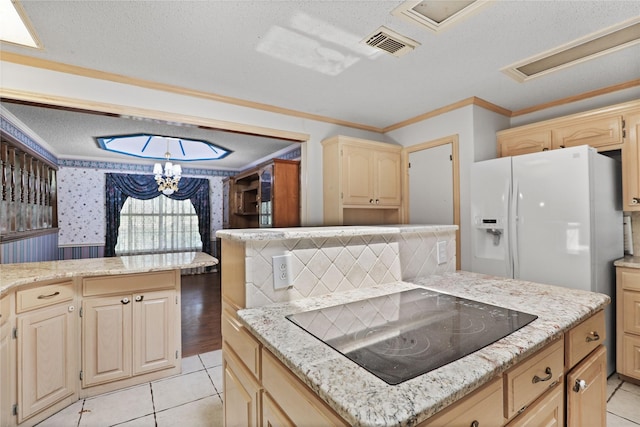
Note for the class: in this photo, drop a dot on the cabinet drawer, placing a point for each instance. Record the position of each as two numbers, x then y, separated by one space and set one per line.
631 309
584 338
241 342
531 378
629 278
4 309
43 296
483 407
301 405
116 284
547 411
604 132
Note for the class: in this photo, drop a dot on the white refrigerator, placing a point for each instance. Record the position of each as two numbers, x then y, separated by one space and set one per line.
553 217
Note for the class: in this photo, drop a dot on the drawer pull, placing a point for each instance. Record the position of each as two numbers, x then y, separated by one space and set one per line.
579 385
139 298
537 379
475 423
125 300
593 336
55 294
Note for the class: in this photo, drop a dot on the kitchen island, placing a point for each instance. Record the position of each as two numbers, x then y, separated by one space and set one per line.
76 328
277 373
360 398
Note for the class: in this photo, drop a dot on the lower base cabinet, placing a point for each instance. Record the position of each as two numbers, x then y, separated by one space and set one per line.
127 335
241 394
481 408
548 411
47 367
587 391
52 353
8 382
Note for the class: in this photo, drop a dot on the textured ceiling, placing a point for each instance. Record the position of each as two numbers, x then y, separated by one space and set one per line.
308 55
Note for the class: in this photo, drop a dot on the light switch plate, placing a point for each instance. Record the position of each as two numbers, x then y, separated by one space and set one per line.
282 271
441 252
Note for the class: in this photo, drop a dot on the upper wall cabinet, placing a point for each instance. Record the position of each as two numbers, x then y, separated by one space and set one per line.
601 129
361 182
606 129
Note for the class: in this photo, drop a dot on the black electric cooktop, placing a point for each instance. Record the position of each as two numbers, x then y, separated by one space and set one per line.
406 334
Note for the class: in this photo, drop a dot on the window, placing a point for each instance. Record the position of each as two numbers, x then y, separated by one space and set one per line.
157 225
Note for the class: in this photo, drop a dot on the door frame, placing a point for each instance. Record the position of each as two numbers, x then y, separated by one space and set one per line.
455 166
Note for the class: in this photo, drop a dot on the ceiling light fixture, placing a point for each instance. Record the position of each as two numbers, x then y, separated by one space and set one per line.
168 177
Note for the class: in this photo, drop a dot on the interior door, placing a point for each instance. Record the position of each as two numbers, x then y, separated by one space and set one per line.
431 185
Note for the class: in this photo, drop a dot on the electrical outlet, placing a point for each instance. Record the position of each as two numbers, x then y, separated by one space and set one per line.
441 251
282 271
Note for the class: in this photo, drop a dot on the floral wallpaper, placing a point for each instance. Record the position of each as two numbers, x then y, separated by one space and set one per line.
81 205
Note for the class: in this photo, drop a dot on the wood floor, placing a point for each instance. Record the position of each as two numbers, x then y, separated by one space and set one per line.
201 310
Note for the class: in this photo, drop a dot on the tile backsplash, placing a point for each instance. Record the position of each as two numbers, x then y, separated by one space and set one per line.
326 265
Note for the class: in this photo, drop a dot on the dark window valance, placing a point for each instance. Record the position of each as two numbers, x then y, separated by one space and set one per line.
120 186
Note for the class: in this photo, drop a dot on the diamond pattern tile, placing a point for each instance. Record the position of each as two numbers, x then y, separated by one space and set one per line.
325 265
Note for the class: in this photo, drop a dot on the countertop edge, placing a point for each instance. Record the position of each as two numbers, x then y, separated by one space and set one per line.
628 261
252 234
14 276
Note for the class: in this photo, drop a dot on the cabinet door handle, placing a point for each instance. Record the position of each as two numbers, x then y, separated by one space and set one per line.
593 336
635 200
475 423
377 201
139 298
371 201
537 379
125 300
55 294
579 385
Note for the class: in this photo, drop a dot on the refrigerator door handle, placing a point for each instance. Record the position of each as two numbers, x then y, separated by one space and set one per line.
514 265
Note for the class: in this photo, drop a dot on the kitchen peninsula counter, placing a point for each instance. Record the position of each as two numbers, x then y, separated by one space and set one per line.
360 398
15 275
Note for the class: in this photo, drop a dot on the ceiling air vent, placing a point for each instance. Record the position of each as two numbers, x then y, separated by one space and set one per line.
595 45
391 42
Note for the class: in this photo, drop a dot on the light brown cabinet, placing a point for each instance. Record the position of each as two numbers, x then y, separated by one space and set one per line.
47 366
600 130
628 323
45 336
7 363
524 142
611 129
265 196
130 332
586 391
361 182
481 408
631 162
547 411
242 403
531 378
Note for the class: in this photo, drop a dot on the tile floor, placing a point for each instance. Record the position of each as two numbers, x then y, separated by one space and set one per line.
194 399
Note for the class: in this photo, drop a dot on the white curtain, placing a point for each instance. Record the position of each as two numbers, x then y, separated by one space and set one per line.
157 225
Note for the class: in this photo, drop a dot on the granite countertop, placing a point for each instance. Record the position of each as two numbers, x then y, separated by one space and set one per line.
12 275
321 232
363 399
628 261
